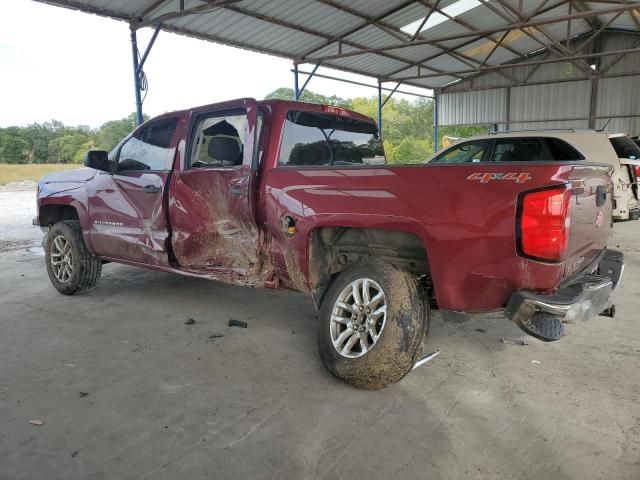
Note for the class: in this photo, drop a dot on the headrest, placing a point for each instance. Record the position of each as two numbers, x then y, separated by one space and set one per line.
225 149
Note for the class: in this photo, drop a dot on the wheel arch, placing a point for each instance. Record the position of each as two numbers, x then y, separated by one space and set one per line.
55 212
332 249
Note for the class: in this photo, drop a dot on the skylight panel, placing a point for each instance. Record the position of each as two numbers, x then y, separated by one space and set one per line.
436 18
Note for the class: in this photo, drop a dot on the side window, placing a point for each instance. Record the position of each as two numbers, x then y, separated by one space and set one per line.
562 151
148 148
518 150
471 152
219 141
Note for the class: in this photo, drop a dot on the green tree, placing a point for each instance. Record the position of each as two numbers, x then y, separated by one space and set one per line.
412 150
110 133
65 149
285 93
13 149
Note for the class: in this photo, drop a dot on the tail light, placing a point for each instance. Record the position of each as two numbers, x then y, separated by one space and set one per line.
544 224
636 170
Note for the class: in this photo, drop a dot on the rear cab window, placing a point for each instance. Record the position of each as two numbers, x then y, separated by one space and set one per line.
322 139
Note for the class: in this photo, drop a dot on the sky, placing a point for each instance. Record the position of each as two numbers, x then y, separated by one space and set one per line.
61 64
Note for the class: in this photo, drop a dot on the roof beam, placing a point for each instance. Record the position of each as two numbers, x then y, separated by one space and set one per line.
207 7
466 25
597 33
633 17
617 60
581 7
396 33
366 23
555 44
386 27
489 68
425 19
309 31
518 25
540 10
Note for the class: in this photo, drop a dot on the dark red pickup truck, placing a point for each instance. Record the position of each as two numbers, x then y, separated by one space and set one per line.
295 195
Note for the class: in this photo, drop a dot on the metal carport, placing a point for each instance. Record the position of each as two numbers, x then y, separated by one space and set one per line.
464 50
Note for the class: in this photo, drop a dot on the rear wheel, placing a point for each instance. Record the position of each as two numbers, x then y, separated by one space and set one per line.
372 323
71 268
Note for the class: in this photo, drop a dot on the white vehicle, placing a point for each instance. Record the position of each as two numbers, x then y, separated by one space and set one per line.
617 150
626 178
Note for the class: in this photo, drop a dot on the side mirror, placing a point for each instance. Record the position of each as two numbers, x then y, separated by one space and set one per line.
98 159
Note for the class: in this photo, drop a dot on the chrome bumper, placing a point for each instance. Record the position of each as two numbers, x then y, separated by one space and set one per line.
585 297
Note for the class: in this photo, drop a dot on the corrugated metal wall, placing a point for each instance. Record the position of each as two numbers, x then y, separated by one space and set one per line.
556 96
469 107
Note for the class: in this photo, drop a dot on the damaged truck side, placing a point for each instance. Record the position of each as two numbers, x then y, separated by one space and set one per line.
283 194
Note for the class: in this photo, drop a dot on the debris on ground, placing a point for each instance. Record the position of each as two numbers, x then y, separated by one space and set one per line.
536 362
84 394
513 341
237 323
481 330
189 321
37 423
74 454
213 336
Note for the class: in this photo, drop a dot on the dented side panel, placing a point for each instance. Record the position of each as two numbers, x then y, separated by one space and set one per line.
126 222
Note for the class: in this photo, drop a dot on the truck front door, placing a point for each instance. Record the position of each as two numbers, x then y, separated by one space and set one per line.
213 226
126 206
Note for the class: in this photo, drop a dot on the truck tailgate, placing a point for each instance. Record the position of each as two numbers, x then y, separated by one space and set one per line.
590 215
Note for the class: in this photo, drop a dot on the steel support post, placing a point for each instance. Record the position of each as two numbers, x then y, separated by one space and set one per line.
435 122
309 77
296 91
136 76
380 109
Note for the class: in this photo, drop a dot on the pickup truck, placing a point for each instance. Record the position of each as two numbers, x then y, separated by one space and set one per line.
283 194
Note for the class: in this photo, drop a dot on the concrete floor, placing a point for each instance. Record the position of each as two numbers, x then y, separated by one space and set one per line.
126 390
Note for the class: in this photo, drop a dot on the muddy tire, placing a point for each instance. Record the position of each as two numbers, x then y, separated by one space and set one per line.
378 344
71 268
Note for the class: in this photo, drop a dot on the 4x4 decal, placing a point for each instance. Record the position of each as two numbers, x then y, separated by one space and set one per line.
487 177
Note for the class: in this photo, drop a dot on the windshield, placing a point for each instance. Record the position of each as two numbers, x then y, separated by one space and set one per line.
625 148
322 139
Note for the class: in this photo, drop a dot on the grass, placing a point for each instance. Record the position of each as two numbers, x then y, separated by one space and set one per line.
17 173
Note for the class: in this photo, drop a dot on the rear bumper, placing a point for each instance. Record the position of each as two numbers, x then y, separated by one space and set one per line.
585 297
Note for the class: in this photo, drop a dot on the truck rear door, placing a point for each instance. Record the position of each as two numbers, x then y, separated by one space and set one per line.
210 198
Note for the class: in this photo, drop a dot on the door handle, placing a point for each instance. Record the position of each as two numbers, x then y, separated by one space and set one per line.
151 189
237 191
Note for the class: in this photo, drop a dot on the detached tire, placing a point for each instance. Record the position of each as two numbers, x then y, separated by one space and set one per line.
71 268
372 322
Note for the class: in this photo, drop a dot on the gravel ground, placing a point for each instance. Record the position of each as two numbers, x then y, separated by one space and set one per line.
17 209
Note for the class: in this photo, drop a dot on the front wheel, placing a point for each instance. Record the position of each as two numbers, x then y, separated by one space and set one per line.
372 323
71 268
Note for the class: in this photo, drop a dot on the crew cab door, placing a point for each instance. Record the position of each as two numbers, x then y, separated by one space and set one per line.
126 206
210 197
